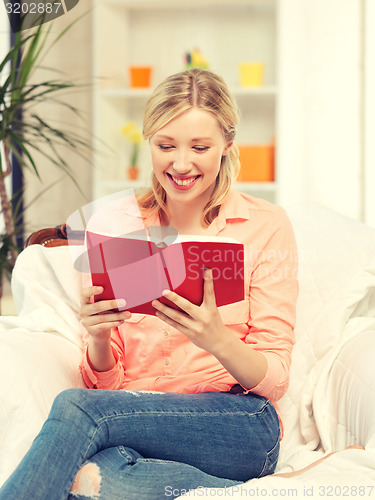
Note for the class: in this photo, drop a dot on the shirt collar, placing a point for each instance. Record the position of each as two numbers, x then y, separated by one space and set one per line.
234 207
132 209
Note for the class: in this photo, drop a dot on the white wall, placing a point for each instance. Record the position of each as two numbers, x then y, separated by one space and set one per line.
369 112
320 121
325 154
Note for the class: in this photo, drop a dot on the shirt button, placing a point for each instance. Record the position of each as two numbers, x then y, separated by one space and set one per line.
165 333
166 361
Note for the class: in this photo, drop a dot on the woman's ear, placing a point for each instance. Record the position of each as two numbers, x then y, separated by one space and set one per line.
227 148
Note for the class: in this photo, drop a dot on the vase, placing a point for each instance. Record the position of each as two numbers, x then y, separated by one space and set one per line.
133 173
257 163
140 76
251 74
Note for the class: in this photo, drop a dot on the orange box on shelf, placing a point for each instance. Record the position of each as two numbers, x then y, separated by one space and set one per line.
140 76
257 163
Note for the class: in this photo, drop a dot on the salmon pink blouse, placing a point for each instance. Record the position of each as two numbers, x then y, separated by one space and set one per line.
153 356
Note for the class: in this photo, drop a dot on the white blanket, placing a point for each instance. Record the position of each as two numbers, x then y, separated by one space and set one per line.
40 349
330 403
348 474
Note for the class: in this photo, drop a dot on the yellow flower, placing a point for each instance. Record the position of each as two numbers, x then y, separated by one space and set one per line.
131 132
134 135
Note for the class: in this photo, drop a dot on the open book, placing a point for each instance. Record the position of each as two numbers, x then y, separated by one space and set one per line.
138 267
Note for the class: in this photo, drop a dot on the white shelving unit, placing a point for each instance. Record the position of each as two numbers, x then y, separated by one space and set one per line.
159 33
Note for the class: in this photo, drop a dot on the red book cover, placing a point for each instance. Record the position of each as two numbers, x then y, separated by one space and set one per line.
138 269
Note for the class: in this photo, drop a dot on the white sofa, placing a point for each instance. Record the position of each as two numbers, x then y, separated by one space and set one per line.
330 403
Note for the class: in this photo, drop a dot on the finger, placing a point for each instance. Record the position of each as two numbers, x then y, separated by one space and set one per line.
87 294
176 324
100 319
182 303
208 288
104 321
177 316
103 306
103 327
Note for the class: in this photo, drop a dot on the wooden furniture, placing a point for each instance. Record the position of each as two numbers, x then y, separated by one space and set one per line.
55 237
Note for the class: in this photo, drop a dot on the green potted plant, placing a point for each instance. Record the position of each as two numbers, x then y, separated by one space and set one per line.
24 131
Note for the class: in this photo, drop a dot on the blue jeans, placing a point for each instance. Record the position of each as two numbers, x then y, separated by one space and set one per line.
146 446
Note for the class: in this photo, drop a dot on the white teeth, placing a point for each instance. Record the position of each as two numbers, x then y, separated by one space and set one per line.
183 183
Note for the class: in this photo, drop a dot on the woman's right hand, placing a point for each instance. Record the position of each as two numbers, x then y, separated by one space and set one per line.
97 317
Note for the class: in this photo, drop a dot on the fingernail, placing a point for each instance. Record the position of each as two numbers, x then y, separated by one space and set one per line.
121 302
165 292
98 289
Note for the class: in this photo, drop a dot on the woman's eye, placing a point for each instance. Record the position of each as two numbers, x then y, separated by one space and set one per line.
201 149
165 147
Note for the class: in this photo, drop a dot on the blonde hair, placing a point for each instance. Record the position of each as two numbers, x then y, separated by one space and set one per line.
178 93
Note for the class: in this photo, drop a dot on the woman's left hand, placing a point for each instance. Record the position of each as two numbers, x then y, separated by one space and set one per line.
201 324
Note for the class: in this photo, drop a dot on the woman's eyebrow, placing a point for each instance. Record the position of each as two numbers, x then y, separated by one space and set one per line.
166 137
197 139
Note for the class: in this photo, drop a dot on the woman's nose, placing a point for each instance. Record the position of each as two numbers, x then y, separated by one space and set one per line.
181 162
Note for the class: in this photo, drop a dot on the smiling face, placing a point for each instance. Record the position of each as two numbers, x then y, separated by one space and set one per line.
186 156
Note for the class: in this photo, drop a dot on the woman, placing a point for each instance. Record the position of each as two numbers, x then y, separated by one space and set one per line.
199 385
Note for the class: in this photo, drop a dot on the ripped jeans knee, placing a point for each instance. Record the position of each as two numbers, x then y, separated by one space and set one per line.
87 482
121 472
98 477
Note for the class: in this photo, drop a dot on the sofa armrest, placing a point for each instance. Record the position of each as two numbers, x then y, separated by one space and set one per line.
352 393
55 237
37 366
